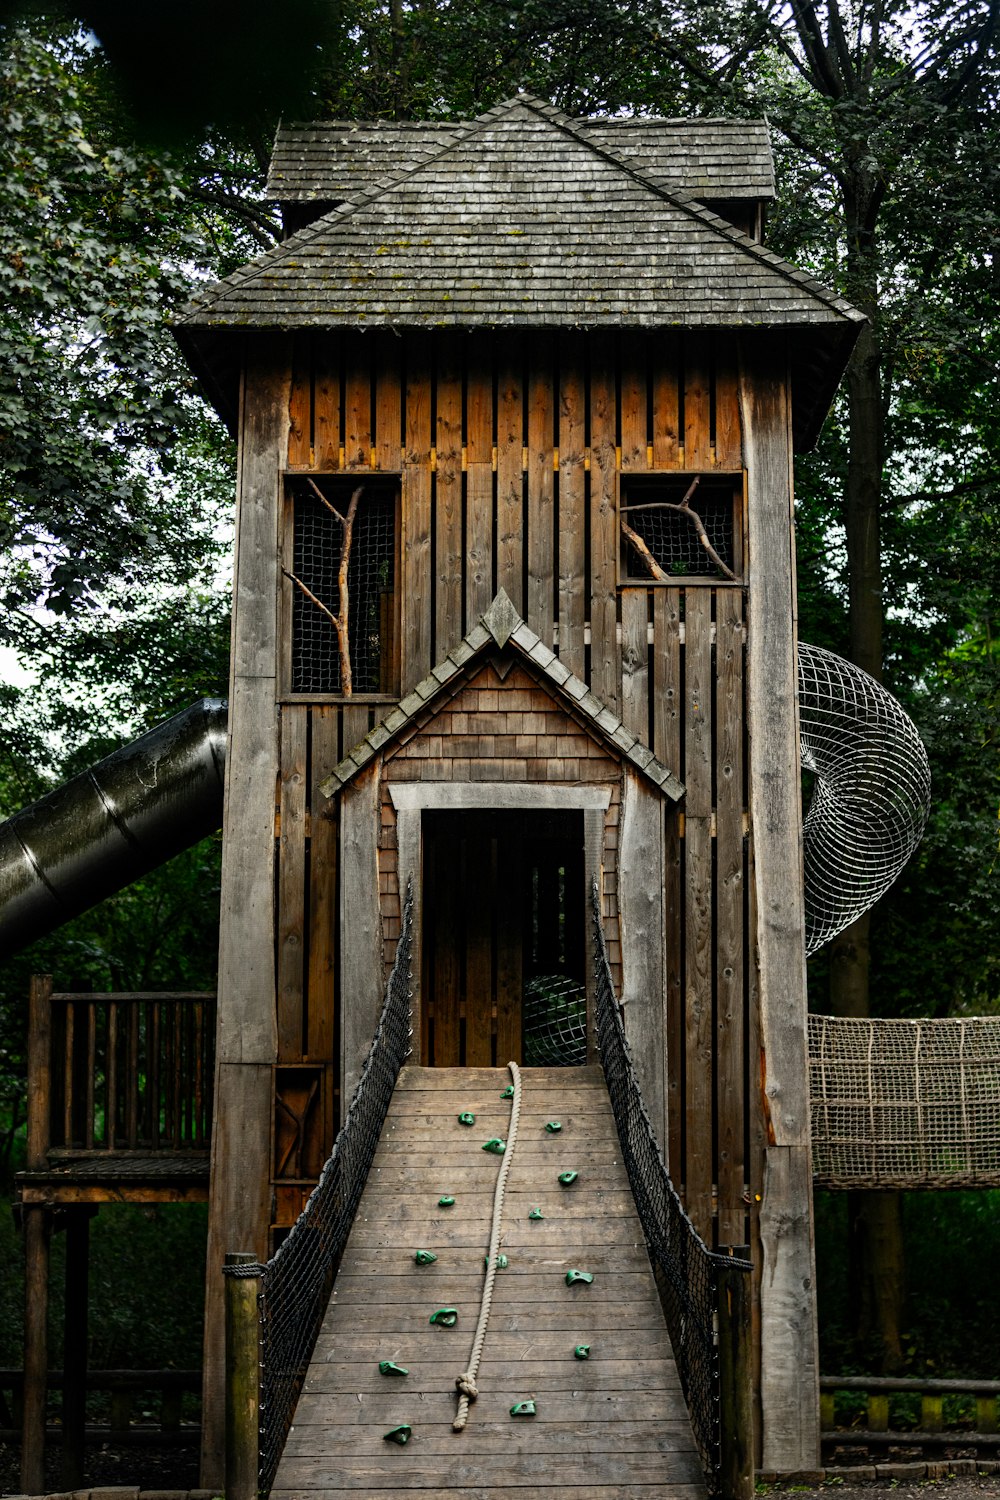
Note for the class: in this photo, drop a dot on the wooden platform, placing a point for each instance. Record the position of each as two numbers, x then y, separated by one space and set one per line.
612 1425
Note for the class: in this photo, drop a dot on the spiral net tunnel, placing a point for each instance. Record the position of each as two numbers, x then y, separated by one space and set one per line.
870 795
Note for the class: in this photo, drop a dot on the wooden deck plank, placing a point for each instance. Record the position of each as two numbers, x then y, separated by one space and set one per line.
604 1425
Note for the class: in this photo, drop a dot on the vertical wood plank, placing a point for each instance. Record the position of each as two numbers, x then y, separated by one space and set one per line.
604 541
541 513
571 540
322 886
729 913
448 497
446 977
635 662
789 1359
479 481
361 984
510 468
667 748
728 434
358 402
37 1231
699 1039
666 403
291 883
39 1102
416 525
326 405
640 897
634 436
388 401
354 717
697 399
300 405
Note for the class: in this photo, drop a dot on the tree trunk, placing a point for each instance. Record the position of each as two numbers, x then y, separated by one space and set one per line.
875 1231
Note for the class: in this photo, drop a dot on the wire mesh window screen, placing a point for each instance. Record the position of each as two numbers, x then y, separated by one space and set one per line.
907 1104
318 545
669 536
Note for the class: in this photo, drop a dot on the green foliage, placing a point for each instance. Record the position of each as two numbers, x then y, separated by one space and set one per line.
146 1288
951 1327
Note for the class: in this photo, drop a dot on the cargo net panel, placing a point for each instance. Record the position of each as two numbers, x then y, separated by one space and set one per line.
317 550
905 1104
687 1272
669 537
554 1013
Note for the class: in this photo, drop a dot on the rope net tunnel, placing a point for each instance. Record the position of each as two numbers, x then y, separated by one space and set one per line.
905 1104
870 796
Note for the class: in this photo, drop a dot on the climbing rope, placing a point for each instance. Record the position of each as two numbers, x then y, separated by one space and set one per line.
466 1382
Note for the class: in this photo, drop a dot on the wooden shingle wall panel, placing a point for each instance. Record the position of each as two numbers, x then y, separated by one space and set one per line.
572 527
541 507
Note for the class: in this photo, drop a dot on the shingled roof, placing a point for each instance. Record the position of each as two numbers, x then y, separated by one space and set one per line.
523 220
713 160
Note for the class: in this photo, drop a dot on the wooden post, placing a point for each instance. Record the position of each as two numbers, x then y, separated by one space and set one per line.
75 1345
735 1381
242 1381
37 1228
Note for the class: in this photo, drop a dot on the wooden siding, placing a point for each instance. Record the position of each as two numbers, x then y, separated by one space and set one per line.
509 446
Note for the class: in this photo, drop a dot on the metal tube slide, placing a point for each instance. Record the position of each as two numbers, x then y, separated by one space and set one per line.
107 827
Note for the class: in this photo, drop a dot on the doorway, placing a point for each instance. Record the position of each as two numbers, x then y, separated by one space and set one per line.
504 952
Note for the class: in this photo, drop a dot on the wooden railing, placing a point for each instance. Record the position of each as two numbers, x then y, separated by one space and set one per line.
120 1072
167 1388
874 1393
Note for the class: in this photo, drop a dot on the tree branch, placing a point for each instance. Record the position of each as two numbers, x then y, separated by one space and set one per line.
681 508
341 620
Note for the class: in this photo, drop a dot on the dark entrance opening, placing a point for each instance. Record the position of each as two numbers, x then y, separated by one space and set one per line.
504 947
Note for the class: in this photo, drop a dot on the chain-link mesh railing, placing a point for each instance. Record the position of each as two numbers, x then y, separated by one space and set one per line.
687 1272
296 1281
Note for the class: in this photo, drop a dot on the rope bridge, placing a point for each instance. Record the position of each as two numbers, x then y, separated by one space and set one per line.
687 1272
905 1104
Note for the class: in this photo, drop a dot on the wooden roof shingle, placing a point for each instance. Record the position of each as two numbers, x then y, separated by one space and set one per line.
713 159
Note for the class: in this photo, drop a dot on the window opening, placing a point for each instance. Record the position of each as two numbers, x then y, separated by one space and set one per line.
678 526
344 551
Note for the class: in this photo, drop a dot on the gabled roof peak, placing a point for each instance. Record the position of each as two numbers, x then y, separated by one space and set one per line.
502 627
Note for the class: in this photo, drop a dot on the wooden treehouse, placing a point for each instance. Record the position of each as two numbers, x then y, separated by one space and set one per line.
514 613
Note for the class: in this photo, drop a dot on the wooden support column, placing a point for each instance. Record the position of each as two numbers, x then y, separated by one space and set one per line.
789 1356
640 898
361 973
246 1045
37 1229
75 1327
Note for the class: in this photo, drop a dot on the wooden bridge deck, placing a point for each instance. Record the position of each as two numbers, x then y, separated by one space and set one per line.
613 1425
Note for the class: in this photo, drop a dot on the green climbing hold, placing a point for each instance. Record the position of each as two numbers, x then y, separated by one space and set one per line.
573 1278
425 1257
568 1178
582 1351
508 1092
535 1213
445 1317
387 1367
466 1118
501 1262
446 1202
496 1145
554 1127
400 1435
523 1409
